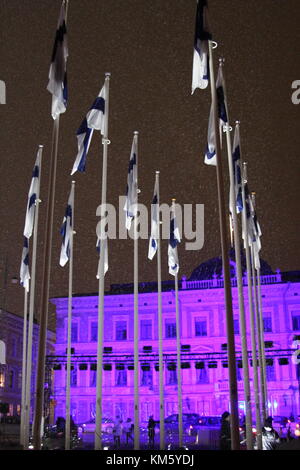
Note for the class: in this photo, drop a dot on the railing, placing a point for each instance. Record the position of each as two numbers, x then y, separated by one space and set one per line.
219 282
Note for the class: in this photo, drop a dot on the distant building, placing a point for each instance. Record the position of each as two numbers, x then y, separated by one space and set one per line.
11 333
203 346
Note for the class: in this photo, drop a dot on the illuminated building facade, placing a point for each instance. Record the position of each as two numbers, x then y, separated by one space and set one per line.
203 346
11 333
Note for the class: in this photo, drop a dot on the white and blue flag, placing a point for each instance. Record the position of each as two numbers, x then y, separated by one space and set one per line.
98 247
210 152
94 120
132 189
66 230
221 98
202 36
24 269
236 163
33 195
57 84
254 230
173 261
154 223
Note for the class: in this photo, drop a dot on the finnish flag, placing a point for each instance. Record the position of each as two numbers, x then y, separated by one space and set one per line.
95 119
24 269
66 230
33 194
221 98
202 36
173 261
154 223
132 189
255 235
98 246
236 162
57 84
210 152
254 230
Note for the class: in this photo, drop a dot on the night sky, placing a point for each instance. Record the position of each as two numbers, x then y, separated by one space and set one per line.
148 48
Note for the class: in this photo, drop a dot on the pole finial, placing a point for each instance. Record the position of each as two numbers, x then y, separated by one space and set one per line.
157 172
136 132
237 122
221 61
173 199
73 182
41 146
107 75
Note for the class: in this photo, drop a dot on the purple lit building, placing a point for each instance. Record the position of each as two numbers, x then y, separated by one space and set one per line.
203 346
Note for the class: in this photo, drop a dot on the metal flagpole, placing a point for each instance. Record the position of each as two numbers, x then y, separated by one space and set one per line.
136 325
31 310
160 327
235 438
178 337
261 358
105 142
252 317
68 395
24 364
39 405
242 319
265 408
262 339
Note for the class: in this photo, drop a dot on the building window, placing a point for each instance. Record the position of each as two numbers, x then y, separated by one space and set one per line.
200 327
74 333
146 377
146 329
121 330
74 376
267 324
238 374
172 377
121 375
236 326
170 327
11 379
93 378
94 331
2 380
202 376
270 370
296 321
19 379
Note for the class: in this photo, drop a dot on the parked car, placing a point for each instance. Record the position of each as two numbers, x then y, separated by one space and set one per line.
190 422
54 439
90 426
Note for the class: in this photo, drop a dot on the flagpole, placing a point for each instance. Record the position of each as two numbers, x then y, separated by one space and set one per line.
45 291
31 309
235 440
160 327
178 337
68 394
259 337
136 325
24 365
252 317
105 142
39 405
261 324
239 273
265 408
